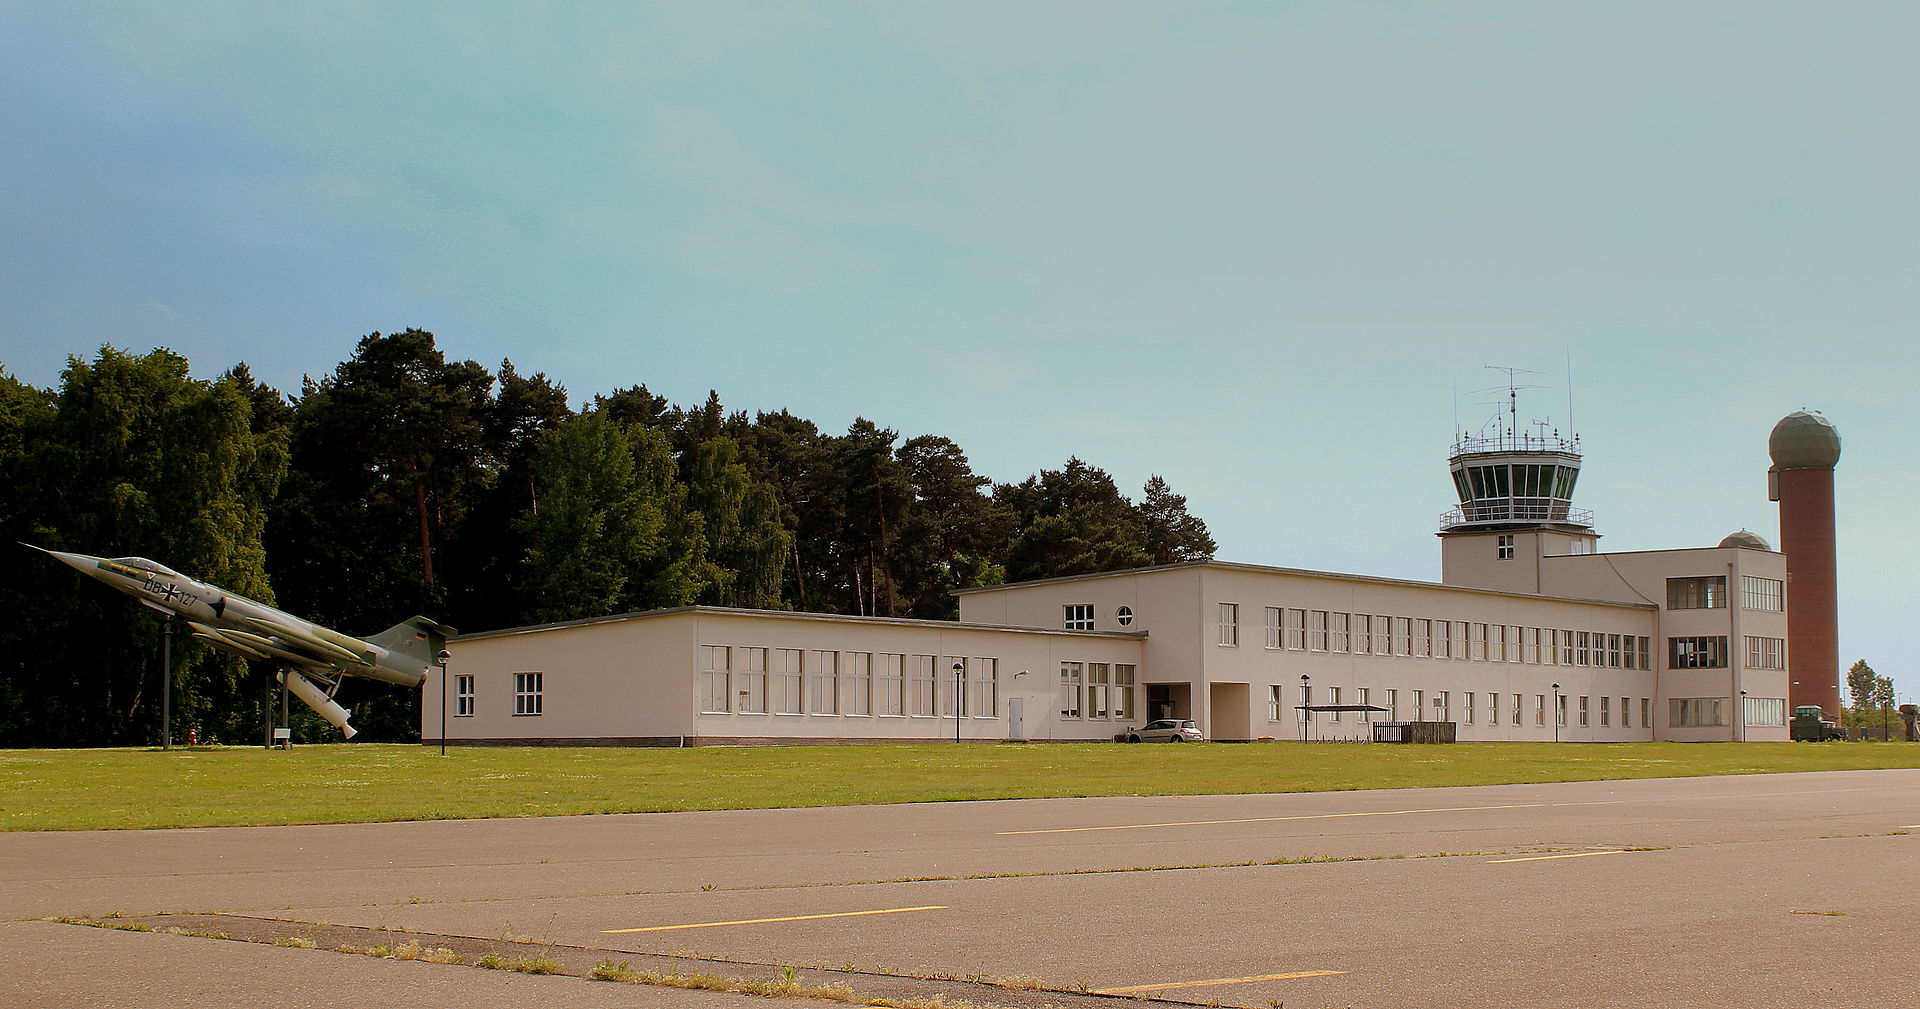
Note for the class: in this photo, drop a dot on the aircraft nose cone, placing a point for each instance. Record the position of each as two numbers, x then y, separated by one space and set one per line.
78 562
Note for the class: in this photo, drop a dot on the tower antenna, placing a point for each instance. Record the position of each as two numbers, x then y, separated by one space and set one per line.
1570 428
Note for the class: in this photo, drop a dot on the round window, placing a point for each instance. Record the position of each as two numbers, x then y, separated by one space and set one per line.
1124 615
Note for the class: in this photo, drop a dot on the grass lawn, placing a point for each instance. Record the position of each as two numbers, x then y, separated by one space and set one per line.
348 783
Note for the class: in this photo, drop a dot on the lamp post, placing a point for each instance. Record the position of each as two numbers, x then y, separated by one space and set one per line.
442 659
959 682
1742 716
1305 699
166 683
1556 712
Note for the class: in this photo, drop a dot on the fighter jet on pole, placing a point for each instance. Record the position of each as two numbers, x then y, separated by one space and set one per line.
314 658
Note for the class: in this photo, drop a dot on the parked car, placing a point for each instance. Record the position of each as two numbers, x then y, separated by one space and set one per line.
1166 730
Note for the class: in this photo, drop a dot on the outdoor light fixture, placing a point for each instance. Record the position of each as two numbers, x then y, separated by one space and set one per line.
1556 712
959 682
1305 685
442 659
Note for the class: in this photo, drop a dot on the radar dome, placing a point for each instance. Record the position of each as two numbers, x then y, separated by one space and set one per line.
1747 540
1804 440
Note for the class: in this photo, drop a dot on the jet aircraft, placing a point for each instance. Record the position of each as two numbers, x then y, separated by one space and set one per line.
314 659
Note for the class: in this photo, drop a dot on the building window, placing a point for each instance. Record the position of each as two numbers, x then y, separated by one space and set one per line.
1334 640
1070 682
1360 696
1708 593
1506 548
856 684
1560 710
1566 648
1539 709
1766 711
1443 639
1695 712
529 693
1123 616
1383 635
1626 713
1763 594
752 687
1423 638
1613 651
1441 702
1531 645
787 683
1393 705
1697 653
1297 630
1276 702
1123 690
1403 635
1419 705
1583 712
1646 653
823 682
1333 697
1516 709
1646 712
1479 643
1606 711
983 687
1096 690
1466 707
713 679
463 695
891 698
921 686
1077 616
1229 625
1273 627
1766 653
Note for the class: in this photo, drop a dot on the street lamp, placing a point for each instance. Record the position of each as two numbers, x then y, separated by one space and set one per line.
1556 712
959 681
166 683
1742 723
1305 699
442 659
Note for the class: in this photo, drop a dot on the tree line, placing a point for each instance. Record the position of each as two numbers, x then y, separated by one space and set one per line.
403 482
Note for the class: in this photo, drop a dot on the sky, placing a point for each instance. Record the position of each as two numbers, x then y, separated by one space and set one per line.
1266 250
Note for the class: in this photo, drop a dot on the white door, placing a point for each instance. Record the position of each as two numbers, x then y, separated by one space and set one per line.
1016 718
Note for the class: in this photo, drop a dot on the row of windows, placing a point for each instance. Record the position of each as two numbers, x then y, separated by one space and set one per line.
1704 712
1096 690
1710 593
1473 706
1378 634
793 681
529 694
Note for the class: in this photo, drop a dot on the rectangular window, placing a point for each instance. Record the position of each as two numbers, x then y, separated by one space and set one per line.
1560 713
1466 707
1297 630
1646 653
1276 702
1360 695
1708 652
1382 635
1613 651
1362 634
1766 711
1606 711
752 687
1393 705
528 693
713 679
1532 645
1513 644
1766 653
1333 697
1707 593
1695 712
1583 711
1339 622
1479 643
1580 652
1070 683
1516 709
823 694
1419 705
1123 690
1096 690
1646 712
1506 548
1626 713
1629 647
1229 624
1423 638
1763 594
1273 627
921 686
1549 646
1403 635
856 684
890 688
787 699
1497 643
983 688
463 695
1539 709
1443 639
1077 616
1441 704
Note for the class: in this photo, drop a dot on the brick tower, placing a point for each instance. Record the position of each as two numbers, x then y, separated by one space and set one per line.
1805 446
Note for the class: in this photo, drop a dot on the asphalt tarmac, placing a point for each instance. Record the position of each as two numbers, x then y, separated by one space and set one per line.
1750 891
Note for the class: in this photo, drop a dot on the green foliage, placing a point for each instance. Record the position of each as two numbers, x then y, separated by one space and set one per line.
403 482
1868 689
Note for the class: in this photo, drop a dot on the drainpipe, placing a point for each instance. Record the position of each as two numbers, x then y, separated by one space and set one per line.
1736 652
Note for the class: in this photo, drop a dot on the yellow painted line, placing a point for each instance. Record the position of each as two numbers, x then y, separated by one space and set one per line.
1273 819
1543 858
768 921
1223 980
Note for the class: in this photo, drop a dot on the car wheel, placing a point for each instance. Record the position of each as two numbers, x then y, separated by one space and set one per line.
1133 739
1176 738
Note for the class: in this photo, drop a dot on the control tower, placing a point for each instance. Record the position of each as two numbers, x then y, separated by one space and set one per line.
1515 488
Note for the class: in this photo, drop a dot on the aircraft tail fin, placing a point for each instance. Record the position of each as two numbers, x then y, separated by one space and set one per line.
417 638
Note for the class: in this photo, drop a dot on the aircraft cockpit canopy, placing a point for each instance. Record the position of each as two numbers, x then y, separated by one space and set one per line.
146 565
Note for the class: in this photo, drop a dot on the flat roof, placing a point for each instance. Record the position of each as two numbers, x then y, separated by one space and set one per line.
736 611
1306 573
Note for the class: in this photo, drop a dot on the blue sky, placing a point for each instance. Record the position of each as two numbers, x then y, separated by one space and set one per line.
1252 247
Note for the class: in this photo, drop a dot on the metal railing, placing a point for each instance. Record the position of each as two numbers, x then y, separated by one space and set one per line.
1512 441
1511 510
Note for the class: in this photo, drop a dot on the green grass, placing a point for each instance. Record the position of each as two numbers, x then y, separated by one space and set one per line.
349 783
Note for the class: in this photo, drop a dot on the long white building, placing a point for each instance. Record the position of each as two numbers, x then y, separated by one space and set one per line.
1533 633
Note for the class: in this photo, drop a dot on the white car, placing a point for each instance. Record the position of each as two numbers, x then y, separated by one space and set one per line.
1166 730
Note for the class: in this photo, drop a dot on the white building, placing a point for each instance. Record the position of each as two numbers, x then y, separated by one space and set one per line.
1532 634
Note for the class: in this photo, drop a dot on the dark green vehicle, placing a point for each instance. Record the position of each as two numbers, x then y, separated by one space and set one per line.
1811 725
